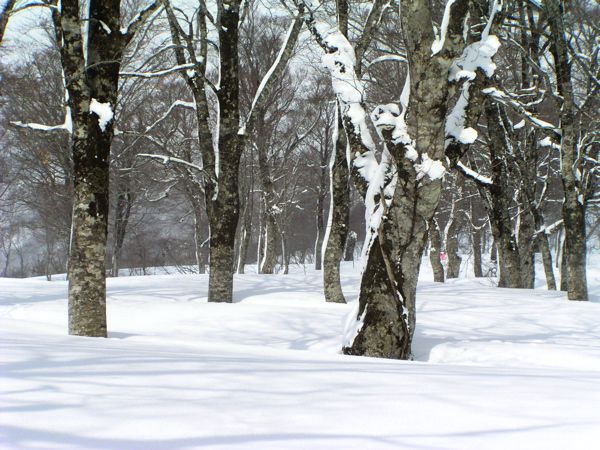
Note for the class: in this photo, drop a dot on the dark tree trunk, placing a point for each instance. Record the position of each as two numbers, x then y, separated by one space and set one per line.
245 236
350 246
434 251
476 244
199 241
454 260
320 231
573 205
547 260
527 249
339 212
122 212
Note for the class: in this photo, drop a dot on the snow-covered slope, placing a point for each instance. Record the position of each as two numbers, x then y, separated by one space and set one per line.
495 369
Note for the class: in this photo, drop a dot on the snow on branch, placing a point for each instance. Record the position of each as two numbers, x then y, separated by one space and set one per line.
170 159
159 73
385 58
505 99
477 56
67 125
176 104
138 20
275 71
475 176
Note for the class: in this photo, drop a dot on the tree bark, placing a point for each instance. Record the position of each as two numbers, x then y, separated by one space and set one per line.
527 248
434 251
350 246
573 205
476 244
339 213
547 260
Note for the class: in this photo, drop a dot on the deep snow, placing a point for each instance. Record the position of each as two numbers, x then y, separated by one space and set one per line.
495 369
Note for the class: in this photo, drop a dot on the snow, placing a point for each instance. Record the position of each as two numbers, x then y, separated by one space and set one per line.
495 368
103 111
438 42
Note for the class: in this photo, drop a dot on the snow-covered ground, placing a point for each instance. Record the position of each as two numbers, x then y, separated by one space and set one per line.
495 369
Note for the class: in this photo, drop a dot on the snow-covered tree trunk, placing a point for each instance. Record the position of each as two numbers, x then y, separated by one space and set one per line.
573 205
339 194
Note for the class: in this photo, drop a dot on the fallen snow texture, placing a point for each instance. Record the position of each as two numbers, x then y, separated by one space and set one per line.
103 111
496 369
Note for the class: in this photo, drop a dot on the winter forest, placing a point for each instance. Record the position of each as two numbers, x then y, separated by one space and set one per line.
299 224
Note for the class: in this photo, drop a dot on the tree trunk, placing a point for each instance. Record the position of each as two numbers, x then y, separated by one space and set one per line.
199 242
476 244
547 260
122 213
434 251
454 260
245 235
527 249
573 206
320 223
339 213
350 246
268 257
564 282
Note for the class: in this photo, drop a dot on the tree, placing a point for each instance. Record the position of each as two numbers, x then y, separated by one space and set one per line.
221 148
91 67
402 189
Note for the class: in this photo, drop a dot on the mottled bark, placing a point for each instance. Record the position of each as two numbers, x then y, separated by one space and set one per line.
527 249
97 81
388 285
245 235
476 239
435 247
499 201
573 205
123 207
199 242
339 212
564 278
319 213
544 247
350 246
454 259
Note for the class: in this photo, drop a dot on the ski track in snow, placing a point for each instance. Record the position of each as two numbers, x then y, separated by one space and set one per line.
495 369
